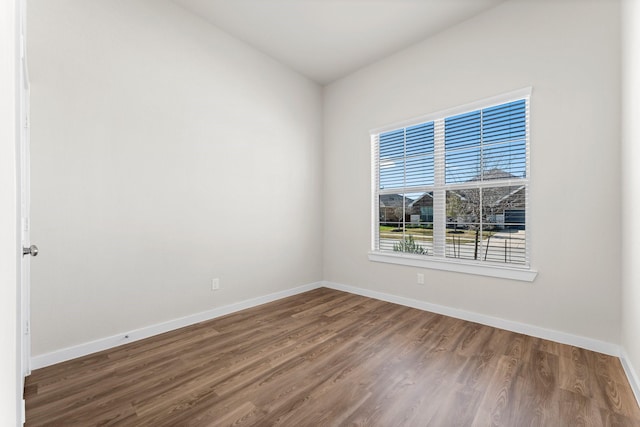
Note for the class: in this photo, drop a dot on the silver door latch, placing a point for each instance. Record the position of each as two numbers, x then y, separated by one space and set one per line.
31 250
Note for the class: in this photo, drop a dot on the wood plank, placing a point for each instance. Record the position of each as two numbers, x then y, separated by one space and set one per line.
330 358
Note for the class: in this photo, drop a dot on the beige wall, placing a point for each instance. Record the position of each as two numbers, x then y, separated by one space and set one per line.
164 154
568 51
631 185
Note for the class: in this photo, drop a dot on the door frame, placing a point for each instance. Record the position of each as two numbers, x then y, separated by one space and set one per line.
25 196
11 372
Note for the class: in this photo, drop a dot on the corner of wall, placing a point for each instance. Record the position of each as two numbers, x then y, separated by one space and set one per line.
630 183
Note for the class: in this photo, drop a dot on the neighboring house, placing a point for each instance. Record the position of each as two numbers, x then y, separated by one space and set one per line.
512 207
495 174
503 206
415 211
391 207
421 208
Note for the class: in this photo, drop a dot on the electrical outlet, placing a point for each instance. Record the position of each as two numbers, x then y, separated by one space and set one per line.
215 284
420 279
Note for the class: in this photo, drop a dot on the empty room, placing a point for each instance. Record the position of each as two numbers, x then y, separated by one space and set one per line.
320 213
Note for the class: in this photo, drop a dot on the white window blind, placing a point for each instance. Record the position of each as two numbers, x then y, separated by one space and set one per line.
453 186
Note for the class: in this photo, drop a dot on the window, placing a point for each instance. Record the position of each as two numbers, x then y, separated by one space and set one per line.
451 189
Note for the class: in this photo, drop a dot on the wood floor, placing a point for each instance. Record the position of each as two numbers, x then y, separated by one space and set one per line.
328 358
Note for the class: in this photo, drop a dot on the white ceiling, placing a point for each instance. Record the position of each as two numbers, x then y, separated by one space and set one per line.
328 39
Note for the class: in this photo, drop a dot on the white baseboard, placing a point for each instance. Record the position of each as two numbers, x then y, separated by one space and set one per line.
632 375
84 349
522 328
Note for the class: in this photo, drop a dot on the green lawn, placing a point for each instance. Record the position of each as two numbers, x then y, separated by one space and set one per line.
426 234
411 230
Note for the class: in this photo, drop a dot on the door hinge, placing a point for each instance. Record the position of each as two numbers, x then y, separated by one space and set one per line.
25 224
27 328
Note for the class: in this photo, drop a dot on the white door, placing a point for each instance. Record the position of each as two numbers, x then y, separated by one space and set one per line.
28 249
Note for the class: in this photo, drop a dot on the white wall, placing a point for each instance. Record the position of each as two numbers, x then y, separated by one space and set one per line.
164 153
10 376
631 186
569 52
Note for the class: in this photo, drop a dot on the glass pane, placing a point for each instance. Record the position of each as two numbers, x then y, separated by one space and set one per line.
503 215
463 224
391 173
392 144
391 208
418 238
391 159
505 160
462 131
391 224
498 201
507 246
406 223
419 171
419 139
504 122
462 165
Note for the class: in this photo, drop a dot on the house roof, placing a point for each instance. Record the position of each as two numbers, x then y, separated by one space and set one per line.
503 192
419 201
494 174
392 200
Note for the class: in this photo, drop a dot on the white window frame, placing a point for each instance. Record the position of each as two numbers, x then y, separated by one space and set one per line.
482 268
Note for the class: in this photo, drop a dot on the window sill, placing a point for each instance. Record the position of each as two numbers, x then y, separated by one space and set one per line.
523 274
